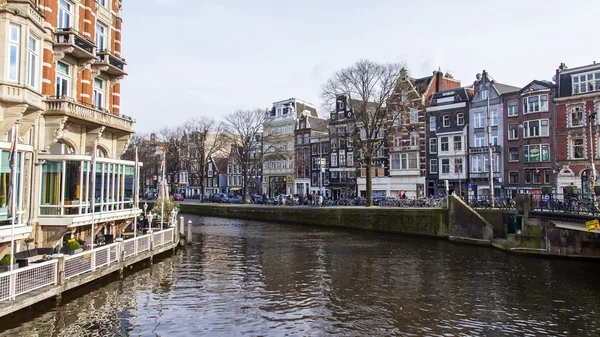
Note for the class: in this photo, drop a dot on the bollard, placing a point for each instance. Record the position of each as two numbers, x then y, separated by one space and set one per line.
189 232
181 223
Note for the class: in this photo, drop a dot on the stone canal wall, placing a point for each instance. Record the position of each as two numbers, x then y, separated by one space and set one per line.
417 221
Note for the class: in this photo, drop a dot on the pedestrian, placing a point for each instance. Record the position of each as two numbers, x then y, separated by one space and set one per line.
320 200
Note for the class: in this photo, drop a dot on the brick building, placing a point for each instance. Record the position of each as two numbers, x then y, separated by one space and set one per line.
529 157
446 129
577 98
307 128
60 85
407 154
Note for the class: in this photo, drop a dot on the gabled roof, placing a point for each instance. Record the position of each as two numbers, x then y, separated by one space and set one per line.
317 123
537 84
505 88
421 84
221 164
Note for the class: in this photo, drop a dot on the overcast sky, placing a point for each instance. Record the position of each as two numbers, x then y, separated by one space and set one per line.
191 57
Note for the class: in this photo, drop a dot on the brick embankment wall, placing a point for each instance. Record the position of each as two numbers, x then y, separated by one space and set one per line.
418 221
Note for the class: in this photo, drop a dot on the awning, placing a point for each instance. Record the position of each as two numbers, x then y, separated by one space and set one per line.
235 189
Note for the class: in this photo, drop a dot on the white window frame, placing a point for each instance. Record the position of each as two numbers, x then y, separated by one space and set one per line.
99 94
334 160
445 164
442 143
513 104
454 142
446 120
579 111
433 166
64 14
101 36
350 159
33 61
460 119
494 117
414 138
479 119
513 131
480 141
414 115
433 145
458 165
63 80
518 152
530 107
484 94
432 123
14 44
542 131
585 82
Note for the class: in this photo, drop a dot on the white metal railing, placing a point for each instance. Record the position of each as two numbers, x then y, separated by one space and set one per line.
158 238
89 260
23 280
168 235
143 243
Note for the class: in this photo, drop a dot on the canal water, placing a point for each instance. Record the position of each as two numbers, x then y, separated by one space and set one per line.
263 279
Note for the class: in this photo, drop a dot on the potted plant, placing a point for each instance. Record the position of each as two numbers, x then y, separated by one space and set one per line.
5 263
73 246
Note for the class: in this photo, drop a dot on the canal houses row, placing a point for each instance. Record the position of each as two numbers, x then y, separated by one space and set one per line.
449 140
60 105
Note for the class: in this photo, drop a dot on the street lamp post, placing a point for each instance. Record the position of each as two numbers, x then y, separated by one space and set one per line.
150 217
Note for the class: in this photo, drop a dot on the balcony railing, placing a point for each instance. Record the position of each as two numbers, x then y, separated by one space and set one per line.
103 117
484 149
116 65
82 48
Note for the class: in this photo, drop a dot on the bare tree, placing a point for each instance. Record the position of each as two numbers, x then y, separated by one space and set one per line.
244 129
146 155
169 140
367 87
205 139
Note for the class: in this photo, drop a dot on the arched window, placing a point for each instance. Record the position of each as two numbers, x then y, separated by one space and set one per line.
61 148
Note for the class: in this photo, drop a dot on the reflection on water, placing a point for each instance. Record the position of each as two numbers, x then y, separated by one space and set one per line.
253 278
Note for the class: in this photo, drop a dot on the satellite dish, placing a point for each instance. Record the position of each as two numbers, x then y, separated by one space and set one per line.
478 76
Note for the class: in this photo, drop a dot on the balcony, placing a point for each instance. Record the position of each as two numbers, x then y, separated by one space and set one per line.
69 41
484 149
111 65
69 108
405 148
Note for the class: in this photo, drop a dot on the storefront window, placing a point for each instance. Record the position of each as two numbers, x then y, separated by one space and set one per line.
65 187
51 187
5 181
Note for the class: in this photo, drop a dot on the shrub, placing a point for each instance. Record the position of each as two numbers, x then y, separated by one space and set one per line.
5 261
170 205
72 244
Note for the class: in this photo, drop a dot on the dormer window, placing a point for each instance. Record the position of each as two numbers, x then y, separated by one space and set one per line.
484 94
340 105
588 82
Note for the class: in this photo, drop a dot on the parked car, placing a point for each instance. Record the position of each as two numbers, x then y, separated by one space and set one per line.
150 196
178 197
196 196
236 199
218 197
